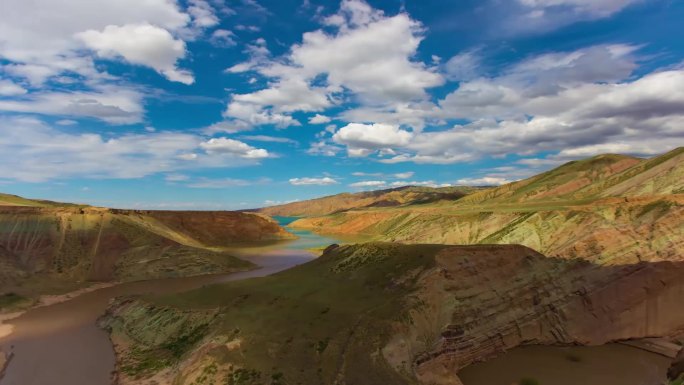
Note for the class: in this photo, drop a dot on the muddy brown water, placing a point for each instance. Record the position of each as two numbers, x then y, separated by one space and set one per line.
611 364
60 344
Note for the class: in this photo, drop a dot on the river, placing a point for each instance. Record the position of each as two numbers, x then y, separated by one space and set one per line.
60 343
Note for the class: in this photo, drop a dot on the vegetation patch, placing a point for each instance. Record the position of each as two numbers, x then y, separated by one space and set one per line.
12 300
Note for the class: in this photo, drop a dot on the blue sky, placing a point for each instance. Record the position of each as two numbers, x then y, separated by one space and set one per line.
229 104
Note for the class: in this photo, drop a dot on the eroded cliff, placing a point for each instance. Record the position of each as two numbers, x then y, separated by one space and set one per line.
393 314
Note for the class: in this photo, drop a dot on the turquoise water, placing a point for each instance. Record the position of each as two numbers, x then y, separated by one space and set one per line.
306 239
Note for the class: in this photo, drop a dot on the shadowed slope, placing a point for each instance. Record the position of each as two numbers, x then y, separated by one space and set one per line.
383 313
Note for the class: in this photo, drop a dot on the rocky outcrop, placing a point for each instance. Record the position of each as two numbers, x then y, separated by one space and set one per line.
480 302
168 336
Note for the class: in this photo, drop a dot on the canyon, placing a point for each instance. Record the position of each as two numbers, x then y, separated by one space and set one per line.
389 313
52 248
586 254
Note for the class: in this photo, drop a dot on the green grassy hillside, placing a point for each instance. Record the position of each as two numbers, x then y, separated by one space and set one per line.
384 313
609 208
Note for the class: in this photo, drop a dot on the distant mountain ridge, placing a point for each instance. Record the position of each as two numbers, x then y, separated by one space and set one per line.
607 175
400 196
608 208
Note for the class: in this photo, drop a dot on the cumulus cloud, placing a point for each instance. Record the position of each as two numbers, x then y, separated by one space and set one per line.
54 46
580 102
142 44
325 181
319 119
363 53
233 147
203 14
363 139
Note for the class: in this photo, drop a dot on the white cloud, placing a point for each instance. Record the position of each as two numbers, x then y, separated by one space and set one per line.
39 50
404 175
233 147
363 53
249 114
579 102
142 44
325 181
285 96
369 184
9 88
33 151
484 181
319 119
363 139
202 14
223 38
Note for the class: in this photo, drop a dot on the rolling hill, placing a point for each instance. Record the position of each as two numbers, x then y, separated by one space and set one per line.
608 208
396 197
48 247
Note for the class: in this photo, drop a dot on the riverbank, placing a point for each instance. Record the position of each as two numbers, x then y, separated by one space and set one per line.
59 342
